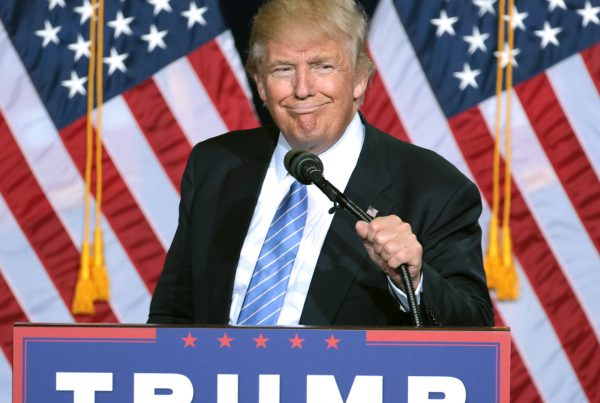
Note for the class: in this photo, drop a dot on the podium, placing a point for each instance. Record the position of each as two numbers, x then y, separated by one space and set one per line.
146 364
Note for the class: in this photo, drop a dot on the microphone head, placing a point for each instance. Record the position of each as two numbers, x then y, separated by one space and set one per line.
303 165
291 155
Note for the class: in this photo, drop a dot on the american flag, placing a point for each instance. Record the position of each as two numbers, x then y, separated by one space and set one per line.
173 77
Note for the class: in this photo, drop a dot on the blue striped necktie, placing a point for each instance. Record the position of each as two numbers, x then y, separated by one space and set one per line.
269 281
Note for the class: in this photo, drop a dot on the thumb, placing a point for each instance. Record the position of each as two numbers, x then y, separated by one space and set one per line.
362 228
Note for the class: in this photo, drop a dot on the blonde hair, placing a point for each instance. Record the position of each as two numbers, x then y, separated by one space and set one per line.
345 20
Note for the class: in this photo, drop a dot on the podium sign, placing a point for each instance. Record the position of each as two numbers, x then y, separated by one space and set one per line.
191 364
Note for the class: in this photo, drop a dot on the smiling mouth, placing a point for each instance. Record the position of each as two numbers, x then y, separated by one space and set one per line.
304 109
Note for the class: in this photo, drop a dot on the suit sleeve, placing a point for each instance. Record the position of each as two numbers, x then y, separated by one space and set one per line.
172 301
454 289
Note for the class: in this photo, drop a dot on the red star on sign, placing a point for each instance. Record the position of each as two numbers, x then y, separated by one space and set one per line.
261 341
296 342
225 341
189 340
332 342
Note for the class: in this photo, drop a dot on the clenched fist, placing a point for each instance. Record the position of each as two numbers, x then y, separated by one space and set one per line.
390 242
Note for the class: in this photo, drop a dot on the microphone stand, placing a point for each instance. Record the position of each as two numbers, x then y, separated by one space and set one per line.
340 200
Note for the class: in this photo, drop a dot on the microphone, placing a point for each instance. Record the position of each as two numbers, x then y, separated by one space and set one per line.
307 168
304 166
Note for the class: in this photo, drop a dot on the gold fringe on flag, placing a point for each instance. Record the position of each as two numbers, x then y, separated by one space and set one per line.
99 273
499 267
492 262
93 283
507 286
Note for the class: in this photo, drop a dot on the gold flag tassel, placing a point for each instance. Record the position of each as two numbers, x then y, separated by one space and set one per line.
85 293
507 285
492 262
99 272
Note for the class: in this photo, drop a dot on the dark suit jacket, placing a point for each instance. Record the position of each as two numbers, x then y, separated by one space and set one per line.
219 191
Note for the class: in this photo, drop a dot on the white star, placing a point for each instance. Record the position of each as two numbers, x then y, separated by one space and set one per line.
155 38
444 24
81 47
485 6
121 24
589 14
160 5
115 61
476 41
504 56
75 84
85 10
548 35
49 33
54 3
518 18
467 77
552 4
195 14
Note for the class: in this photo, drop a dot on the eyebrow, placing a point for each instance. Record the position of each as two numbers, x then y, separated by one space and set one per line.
320 59
279 62
312 61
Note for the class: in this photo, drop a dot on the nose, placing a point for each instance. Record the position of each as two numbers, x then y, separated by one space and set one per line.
304 85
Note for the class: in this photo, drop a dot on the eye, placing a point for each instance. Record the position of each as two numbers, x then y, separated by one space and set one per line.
324 67
282 71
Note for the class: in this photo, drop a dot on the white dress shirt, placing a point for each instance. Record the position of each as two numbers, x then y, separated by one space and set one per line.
339 162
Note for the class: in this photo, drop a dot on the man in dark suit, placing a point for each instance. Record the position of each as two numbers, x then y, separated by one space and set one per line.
311 70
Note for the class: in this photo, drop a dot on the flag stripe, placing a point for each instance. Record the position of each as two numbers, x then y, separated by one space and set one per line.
189 102
5 379
378 109
540 265
140 170
40 224
10 313
534 336
521 383
160 128
572 84
61 183
221 84
407 86
415 102
38 299
226 44
121 210
563 150
591 57
538 183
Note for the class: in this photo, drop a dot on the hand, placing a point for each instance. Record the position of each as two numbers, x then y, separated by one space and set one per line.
390 242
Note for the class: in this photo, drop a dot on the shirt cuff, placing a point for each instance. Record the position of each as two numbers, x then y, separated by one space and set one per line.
401 295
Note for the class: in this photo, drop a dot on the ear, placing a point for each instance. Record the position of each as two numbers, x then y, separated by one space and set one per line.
360 85
260 87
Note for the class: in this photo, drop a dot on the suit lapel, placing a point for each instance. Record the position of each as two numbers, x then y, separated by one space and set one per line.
343 253
371 182
237 200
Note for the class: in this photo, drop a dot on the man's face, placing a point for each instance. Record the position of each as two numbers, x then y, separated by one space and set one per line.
310 90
